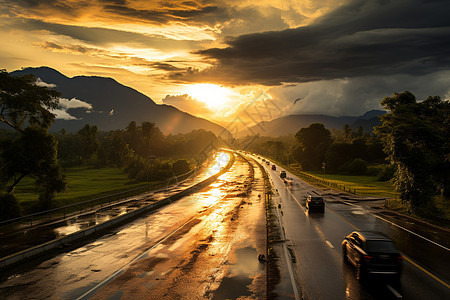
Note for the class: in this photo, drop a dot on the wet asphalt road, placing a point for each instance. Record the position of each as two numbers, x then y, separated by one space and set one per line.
316 240
202 246
206 246
28 237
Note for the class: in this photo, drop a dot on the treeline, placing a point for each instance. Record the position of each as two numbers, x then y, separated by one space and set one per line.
314 147
27 149
412 146
142 150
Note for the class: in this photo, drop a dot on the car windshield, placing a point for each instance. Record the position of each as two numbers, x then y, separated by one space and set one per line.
381 246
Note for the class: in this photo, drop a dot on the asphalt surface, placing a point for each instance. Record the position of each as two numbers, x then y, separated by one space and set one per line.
316 241
202 246
206 245
26 237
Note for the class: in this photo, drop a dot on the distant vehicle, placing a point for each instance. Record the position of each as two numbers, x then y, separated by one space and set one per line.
315 202
372 254
274 167
260 158
263 159
283 174
268 163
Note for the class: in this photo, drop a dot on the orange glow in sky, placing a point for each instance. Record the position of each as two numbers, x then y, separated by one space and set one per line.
212 95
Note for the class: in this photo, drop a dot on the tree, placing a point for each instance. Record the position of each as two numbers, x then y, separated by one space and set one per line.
314 141
181 166
22 102
88 141
416 140
26 108
34 153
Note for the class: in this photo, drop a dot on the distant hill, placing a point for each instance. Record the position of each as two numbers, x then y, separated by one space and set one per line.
114 105
291 124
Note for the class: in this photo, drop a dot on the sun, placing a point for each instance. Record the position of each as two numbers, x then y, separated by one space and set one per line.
214 96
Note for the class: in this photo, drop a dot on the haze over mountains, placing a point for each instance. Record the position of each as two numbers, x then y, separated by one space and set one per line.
292 123
110 105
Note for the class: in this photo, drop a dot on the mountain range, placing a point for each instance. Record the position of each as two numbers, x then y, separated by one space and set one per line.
292 123
111 105
114 106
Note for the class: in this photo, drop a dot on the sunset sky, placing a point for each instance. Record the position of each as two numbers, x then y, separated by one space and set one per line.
211 58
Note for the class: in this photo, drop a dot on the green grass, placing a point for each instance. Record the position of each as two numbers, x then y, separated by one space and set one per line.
436 212
360 185
82 184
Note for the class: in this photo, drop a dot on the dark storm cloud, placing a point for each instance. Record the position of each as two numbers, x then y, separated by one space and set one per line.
162 15
36 3
164 66
104 36
359 39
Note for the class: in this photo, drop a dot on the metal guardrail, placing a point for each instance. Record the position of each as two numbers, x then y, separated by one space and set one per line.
65 211
352 190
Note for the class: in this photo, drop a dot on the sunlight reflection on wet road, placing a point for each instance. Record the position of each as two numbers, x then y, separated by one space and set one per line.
207 229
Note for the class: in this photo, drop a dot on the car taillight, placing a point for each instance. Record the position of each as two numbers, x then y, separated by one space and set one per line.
400 258
367 258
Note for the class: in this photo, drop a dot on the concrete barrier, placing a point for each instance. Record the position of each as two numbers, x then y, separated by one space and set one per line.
38 250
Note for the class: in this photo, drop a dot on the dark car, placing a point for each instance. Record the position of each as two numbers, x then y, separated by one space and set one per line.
268 163
315 203
274 167
372 254
283 174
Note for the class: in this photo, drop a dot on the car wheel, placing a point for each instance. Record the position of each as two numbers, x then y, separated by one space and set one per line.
360 273
344 254
396 281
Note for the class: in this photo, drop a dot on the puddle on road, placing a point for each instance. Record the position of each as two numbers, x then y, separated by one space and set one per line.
240 276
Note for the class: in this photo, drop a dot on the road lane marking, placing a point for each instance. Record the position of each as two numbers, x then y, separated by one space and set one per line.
329 244
401 227
348 222
118 272
319 231
405 257
393 291
286 237
426 271
412 232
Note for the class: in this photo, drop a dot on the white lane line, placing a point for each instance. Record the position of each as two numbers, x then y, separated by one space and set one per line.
118 272
329 244
401 227
416 234
393 291
319 231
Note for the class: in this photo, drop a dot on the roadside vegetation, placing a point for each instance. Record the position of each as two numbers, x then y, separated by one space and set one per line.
82 183
41 170
406 158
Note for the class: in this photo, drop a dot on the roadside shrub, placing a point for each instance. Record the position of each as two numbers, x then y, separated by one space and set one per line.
134 167
357 166
181 166
9 208
387 173
373 170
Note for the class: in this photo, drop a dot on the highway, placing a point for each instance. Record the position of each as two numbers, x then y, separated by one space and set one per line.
316 241
206 246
